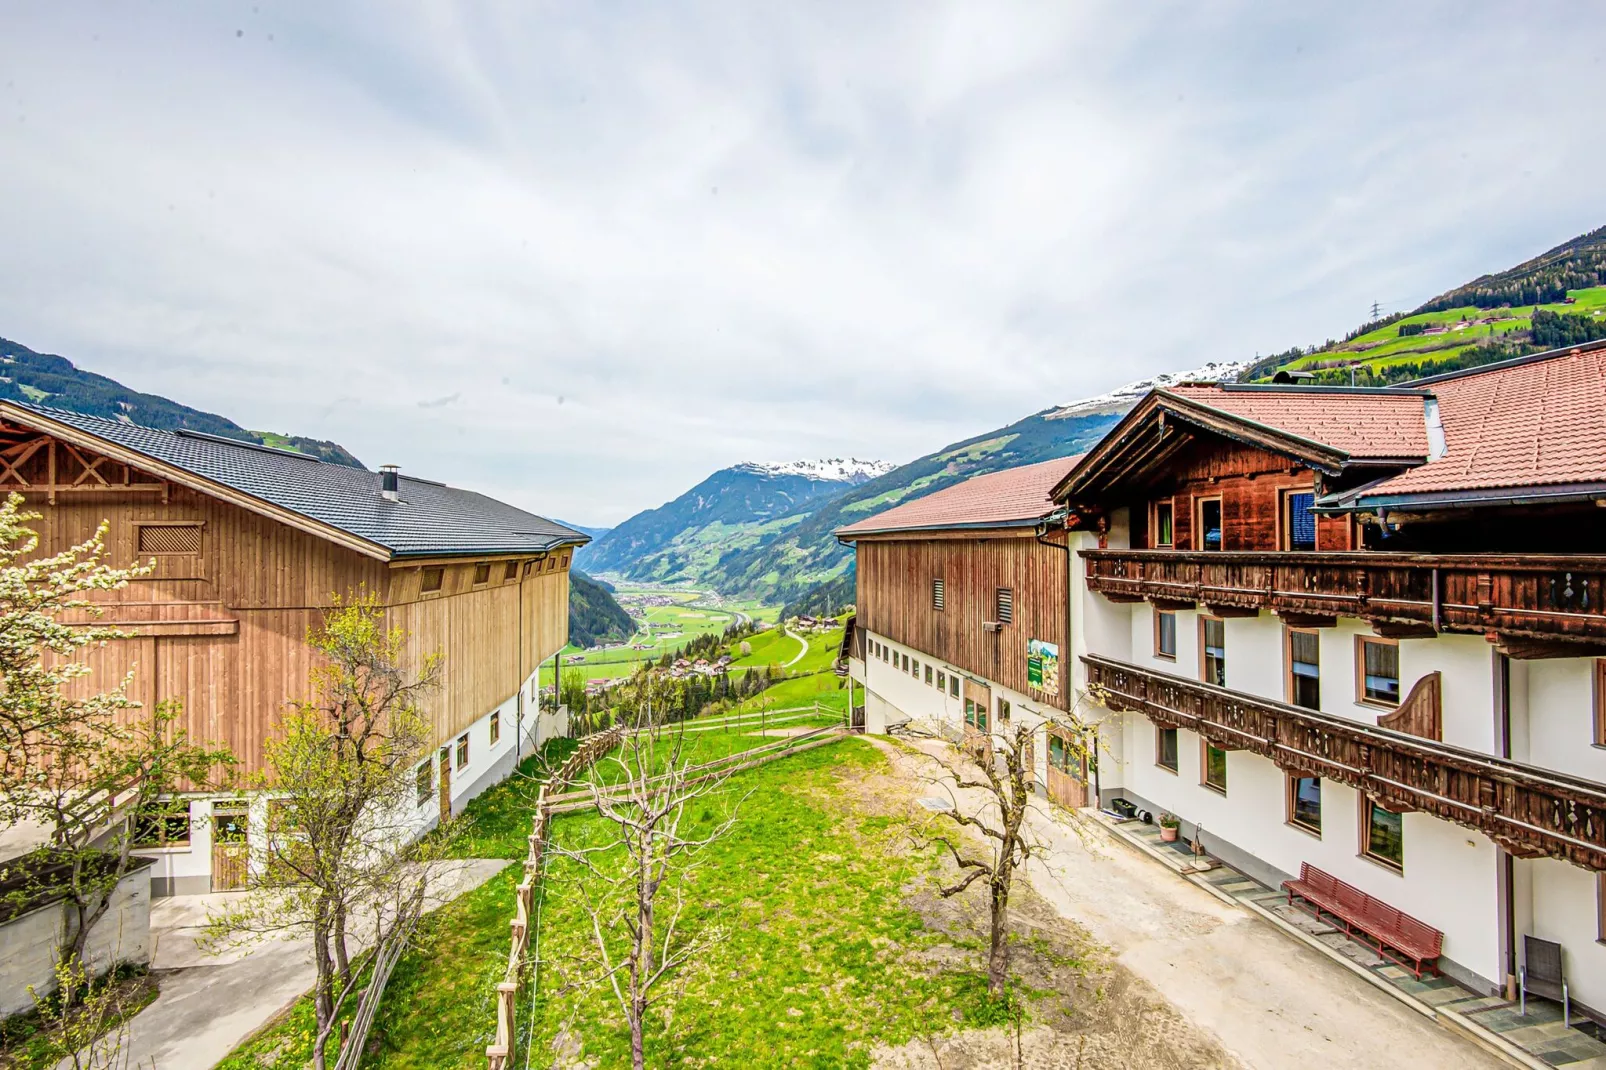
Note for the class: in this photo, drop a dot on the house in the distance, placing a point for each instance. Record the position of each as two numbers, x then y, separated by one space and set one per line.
251 545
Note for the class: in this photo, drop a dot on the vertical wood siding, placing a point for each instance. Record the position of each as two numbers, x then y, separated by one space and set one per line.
894 600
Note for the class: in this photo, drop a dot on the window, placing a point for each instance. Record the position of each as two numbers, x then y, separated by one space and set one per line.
1384 835
936 594
953 686
1165 635
1304 668
915 672
164 824
1600 701
1305 803
981 716
1213 650
1006 605
511 571
433 579
1165 748
1063 756
169 539
425 782
1215 767
496 727
1003 710
942 681
1163 525
1377 662
482 573
970 713
906 663
462 750
928 675
1299 523
1210 537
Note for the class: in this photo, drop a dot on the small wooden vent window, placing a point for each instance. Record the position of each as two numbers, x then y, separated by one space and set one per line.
434 579
482 574
937 595
510 571
169 539
1600 702
1006 605
496 727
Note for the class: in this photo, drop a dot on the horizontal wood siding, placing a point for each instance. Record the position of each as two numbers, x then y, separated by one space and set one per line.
894 600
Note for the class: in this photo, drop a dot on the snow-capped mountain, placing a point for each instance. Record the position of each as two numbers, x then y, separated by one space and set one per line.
1128 395
847 470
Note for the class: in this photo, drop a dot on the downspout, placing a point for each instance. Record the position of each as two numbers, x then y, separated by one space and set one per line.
1505 874
1043 527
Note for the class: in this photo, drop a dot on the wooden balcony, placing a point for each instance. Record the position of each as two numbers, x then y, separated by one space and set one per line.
1535 596
1529 811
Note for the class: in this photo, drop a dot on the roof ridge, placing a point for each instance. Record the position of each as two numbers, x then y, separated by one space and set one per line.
1576 349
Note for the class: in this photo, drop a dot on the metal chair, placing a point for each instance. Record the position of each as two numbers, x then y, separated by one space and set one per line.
1541 973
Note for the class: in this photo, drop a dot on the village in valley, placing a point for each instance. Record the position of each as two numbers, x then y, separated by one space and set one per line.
1245 711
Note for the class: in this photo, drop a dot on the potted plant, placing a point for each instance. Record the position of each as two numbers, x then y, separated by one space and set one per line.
1169 824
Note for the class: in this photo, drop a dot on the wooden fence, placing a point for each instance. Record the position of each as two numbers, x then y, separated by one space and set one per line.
553 800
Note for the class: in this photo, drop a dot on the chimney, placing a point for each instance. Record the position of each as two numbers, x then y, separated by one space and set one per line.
388 479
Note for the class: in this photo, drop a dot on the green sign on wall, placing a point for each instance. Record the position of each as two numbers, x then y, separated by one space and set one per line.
1043 666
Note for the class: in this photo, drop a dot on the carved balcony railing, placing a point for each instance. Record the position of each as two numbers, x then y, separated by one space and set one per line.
1531 812
1535 596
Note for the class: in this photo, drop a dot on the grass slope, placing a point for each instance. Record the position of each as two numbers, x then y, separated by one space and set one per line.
823 955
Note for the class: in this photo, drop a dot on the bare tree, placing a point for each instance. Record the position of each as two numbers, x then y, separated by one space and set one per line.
998 762
343 848
634 887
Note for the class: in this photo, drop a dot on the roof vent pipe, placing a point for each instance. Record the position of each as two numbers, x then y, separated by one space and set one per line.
389 479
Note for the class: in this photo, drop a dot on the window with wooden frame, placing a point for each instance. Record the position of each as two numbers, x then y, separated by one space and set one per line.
1298 521
942 681
496 727
1377 672
1208 534
1303 667
1163 525
1165 635
482 573
1213 651
1305 803
1212 767
168 538
1600 702
929 671
163 825
433 579
462 750
510 571
563 561
915 671
953 686
905 662
424 782
938 599
1004 602
1003 710
1382 834
1165 748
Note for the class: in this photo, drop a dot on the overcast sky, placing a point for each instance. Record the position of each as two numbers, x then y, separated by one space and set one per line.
581 255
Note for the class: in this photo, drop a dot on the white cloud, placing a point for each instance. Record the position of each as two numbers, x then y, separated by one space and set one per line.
579 257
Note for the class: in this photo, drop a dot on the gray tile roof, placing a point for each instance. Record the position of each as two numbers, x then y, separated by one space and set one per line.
431 519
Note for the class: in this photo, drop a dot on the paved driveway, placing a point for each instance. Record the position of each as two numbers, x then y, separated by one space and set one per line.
208 1004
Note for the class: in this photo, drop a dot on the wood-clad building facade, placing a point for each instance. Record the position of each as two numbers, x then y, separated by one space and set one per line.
251 546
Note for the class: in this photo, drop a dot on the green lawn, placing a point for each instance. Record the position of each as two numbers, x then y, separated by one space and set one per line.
823 954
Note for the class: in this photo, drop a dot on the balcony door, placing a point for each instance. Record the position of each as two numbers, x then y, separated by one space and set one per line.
1298 520
1207 523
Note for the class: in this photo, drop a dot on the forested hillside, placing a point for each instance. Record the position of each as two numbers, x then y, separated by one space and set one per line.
594 616
1556 299
46 379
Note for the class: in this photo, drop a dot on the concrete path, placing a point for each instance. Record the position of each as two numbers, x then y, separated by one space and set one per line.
209 1004
1271 1002
801 653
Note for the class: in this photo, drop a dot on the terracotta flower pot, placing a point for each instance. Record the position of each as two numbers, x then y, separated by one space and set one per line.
1168 835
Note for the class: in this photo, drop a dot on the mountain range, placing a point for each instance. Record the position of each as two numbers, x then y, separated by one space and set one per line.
1557 298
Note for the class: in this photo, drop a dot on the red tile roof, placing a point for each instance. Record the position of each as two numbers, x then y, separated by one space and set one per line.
1534 423
1012 496
1367 425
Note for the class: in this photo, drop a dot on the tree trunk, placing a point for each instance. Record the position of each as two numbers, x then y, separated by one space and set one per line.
342 959
998 951
323 990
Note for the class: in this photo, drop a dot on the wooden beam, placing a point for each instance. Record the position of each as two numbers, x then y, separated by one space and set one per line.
1217 610
1296 619
1172 605
1524 649
1403 629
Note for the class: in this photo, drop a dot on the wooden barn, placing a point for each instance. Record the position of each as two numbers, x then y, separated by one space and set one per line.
251 545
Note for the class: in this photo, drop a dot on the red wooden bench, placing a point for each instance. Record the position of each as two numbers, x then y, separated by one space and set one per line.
1412 943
